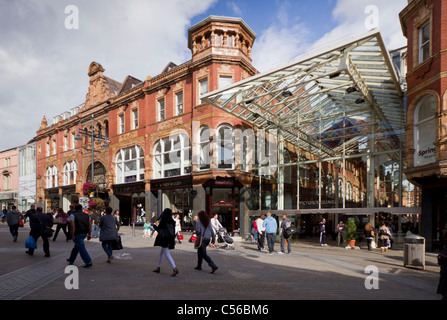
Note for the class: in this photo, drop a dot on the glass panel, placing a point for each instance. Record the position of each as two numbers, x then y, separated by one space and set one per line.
427 108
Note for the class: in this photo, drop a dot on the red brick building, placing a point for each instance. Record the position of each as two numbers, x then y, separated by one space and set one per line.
165 148
138 118
424 23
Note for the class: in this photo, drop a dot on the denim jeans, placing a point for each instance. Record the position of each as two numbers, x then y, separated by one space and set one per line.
14 229
79 247
201 253
271 237
289 247
95 230
107 245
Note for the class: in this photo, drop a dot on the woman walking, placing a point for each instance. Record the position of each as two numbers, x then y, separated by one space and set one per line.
369 235
205 229
109 227
166 240
61 220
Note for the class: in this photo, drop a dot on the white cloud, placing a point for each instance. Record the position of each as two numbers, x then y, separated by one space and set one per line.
232 5
351 16
283 40
43 65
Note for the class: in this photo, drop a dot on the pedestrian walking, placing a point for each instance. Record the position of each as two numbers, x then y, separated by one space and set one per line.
153 220
384 237
442 261
3 214
13 218
323 232
178 228
286 223
117 217
30 212
206 231
166 240
62 222
369 235
215 223
271 227
109 227
40 225
254 232
340 232
261 232
81 228
147 229
96 217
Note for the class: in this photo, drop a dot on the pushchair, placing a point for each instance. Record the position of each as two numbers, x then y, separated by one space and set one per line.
224 237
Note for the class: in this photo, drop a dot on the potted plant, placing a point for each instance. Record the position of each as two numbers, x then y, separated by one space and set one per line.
351 233
89 189
96 203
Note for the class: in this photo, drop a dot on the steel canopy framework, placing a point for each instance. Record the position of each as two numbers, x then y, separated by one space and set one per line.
339 103
304 99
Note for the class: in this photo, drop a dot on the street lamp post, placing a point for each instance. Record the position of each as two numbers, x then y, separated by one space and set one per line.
93 136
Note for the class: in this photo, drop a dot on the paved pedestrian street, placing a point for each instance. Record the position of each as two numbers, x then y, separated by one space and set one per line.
310 272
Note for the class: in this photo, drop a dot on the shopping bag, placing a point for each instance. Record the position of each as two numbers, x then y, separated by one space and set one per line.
117 244
30 243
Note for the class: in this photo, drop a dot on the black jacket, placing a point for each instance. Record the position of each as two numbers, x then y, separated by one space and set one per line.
38 222
166 235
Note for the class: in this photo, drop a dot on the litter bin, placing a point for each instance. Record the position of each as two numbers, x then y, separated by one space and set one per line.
414 251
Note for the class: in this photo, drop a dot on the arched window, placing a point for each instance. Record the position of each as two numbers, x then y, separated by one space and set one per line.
330 187
348 191
225 147
51 177
205 147
70 172
425 131
130 165
172 156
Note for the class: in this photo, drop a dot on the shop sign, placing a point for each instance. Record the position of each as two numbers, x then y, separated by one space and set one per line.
426 154
171 184
222 203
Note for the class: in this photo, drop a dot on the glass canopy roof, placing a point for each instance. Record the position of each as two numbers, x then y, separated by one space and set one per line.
339 102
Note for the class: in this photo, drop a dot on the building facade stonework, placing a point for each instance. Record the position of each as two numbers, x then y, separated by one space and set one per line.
424 23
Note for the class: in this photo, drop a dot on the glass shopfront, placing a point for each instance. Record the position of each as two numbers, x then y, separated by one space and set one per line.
175 194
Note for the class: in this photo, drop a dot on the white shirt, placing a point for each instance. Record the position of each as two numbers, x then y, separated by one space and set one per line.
216 224
259 224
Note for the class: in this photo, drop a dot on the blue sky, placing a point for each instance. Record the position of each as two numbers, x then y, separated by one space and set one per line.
43 65
259 15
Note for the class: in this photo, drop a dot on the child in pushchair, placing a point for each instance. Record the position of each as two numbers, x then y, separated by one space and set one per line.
224 237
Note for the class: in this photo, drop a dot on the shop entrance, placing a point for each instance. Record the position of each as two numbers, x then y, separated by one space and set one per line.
223 199
131 201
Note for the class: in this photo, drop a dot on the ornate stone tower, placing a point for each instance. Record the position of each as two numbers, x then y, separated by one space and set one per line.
221 36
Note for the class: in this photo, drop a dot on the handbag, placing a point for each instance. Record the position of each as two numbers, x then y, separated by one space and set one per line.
199 242
21 223
117 244
180 236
